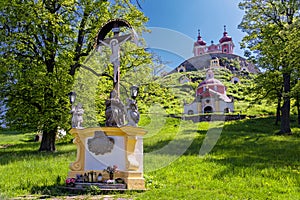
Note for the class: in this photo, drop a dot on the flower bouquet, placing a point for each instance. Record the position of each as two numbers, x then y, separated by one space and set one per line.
111 170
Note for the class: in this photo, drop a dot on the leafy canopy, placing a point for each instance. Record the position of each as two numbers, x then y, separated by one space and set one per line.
42 45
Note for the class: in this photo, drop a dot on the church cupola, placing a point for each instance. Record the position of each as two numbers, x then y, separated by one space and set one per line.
226 43
209 74
199 45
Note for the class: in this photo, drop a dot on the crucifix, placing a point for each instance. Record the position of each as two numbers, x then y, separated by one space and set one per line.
114 43
115 112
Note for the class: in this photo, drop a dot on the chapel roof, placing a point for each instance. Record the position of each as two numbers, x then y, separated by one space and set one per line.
211 93
211 81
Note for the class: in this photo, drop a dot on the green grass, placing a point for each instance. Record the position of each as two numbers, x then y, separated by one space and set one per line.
25 171
248 162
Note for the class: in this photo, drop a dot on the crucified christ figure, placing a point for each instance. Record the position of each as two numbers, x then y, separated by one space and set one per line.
114 44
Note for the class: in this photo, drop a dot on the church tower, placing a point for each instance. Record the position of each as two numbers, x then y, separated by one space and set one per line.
226 43
199 46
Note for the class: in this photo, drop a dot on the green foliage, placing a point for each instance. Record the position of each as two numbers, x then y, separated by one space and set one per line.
93 190
156 94
103 90
169 93
137 69
233 63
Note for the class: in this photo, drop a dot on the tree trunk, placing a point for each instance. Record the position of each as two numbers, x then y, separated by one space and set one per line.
48 141
298 108
278 109
285 110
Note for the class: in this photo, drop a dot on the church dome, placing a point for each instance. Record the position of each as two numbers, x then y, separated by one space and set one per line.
225 37
210 83
199 40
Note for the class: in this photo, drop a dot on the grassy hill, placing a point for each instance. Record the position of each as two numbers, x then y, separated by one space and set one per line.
248 161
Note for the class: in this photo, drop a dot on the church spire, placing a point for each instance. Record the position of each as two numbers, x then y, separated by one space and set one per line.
199 39
225 32
199 36
199 45
226 42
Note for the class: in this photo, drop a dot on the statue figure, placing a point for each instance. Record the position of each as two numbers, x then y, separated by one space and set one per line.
80 111
133 115
115 57
77 113
114 112
114 45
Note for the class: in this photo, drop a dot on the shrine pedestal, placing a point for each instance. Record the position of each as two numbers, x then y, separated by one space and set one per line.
101 147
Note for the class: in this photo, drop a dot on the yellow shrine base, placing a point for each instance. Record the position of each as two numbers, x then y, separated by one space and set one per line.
98 148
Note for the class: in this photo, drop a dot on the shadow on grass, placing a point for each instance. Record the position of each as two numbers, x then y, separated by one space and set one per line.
256 140
156 146
253 145
254 155
28 150
63 191
10 132
244 143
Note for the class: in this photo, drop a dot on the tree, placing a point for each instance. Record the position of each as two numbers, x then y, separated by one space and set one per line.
42 45
268 86
294 44
268 24
296 95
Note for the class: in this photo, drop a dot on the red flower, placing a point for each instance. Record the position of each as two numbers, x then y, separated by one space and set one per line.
70 181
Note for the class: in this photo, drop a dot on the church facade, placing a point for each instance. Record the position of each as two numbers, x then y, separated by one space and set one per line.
210 97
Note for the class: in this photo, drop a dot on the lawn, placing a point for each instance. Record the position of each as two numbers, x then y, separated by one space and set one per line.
182 160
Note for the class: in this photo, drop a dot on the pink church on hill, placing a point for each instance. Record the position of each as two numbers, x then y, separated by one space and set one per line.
211 94
225 45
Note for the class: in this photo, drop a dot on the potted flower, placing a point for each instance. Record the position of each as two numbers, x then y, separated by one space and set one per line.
70 182
111 170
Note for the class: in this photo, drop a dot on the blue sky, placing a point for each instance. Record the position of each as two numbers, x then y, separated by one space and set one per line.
181 19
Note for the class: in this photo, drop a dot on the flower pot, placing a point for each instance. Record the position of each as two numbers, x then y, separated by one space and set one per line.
111 176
